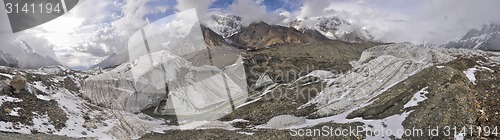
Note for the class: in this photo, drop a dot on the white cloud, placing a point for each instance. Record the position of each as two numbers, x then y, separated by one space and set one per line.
252 11
158 9
91 31
451 19
313 8
95 29
105 35
413 21
77 59
201 6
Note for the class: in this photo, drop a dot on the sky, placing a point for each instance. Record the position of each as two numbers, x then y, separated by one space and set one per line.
96 29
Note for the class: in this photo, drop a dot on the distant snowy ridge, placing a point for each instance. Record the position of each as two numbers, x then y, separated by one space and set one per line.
225 25
485 38
24 56
334 27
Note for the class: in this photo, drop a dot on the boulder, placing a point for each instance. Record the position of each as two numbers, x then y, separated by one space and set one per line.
284 121
18 83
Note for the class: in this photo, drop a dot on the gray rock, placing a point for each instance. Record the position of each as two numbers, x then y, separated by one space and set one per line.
5 90
18 83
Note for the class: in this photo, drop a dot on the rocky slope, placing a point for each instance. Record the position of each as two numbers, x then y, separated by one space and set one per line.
390 87
52 103
261 35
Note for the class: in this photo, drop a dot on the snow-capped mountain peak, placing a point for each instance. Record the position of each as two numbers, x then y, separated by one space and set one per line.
485 38
225 25
24 56
334 27
490 28
27 47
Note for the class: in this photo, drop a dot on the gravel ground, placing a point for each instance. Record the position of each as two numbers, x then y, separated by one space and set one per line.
257 134
13 136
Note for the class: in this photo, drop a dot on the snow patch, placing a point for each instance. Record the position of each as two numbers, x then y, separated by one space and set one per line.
15 112
39 85
417 97
392 123
284 121
45 98
42 124
5 98
6 75
470 74
459 136
236 121
11 127
216 125
323 74
246 133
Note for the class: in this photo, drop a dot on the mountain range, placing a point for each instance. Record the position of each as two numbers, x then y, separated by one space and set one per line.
277 79
24 56
227 30
485 38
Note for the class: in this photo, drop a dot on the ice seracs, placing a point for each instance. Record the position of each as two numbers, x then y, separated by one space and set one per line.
389 64
378 69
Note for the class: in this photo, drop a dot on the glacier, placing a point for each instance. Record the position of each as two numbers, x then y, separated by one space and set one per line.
378 69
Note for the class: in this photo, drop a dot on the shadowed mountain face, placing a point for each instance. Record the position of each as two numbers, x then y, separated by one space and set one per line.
486 38
261 35
315 34
113 60
35 61
212 39
23 56
255 36
7 60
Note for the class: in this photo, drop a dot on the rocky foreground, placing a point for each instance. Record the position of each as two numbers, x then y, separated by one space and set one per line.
395 87
332 85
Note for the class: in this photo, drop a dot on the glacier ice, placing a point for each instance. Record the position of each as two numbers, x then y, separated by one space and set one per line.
193 90
171 69
378 69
